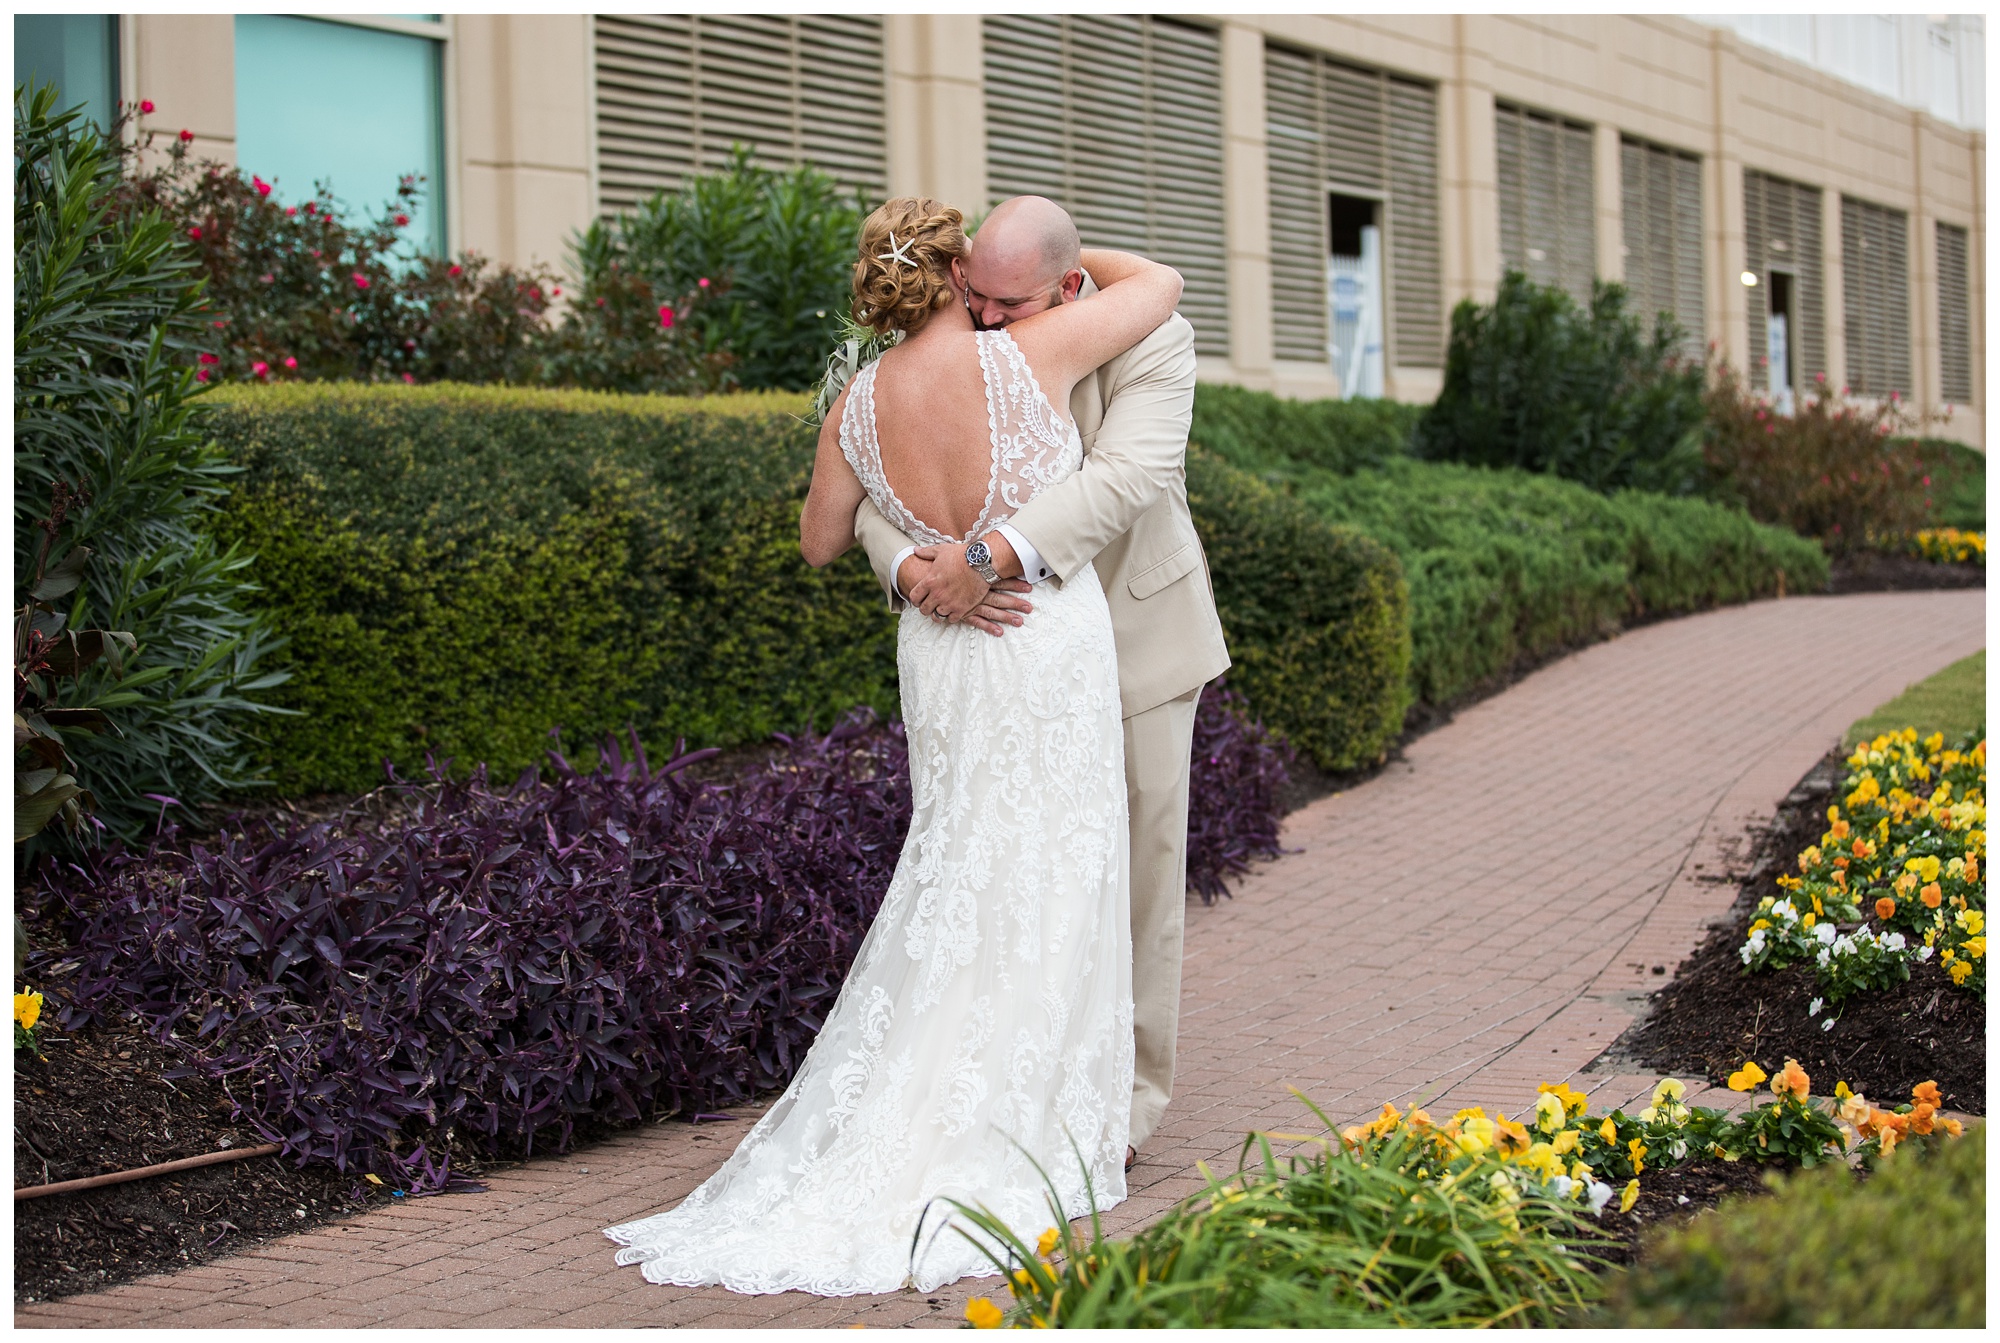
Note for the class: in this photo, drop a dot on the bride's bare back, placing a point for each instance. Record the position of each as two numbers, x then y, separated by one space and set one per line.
931 423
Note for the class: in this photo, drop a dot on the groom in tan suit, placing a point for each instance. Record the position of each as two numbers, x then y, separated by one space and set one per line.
1126 512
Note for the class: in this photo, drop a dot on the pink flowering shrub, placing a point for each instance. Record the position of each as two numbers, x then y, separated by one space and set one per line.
1838 469
305 292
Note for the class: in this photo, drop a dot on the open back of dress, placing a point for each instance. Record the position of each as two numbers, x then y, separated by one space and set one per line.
981 1048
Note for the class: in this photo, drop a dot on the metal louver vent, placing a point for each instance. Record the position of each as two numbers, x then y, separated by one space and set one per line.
1335 127
1119 119
1661 190
1954 315
675 91
1547 207
1875 281
1781 230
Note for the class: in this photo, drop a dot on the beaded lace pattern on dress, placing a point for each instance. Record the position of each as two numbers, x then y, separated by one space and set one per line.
985 1028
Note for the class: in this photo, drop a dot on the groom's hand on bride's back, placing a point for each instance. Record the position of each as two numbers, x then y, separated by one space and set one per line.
944 591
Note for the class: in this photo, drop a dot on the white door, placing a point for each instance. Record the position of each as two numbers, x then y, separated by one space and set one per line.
1777 349
1354 297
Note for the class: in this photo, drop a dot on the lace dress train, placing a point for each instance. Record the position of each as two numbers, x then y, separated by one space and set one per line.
985 1028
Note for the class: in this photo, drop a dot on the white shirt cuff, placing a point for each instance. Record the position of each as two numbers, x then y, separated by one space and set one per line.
1032 567
896 571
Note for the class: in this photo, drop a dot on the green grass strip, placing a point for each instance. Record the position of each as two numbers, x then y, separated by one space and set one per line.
1952 701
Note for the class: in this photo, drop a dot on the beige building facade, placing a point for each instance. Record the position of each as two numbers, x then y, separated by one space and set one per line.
1670 153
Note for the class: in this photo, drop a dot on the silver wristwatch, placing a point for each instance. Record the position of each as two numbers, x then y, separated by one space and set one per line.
979 558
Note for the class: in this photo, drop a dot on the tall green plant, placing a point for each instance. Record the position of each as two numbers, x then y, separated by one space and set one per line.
778 245
105 303
1536 382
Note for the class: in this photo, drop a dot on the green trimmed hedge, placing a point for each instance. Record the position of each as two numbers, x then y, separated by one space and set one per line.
1318 617
461 569
1504 566
1271 435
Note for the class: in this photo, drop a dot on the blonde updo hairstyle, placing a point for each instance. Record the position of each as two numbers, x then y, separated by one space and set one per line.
890 295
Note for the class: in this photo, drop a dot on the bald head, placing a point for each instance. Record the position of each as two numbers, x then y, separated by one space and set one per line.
1031 231
1024 259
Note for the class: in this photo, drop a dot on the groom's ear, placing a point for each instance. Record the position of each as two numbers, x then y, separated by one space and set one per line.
1072 285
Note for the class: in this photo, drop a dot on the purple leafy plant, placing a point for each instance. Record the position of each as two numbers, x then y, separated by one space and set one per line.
1235 788
498 965
489 968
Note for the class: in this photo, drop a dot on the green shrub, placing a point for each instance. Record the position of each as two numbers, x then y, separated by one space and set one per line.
104 316
461 570
1535 382
1904 1249
1267 435
1505 565
1958 483
779 244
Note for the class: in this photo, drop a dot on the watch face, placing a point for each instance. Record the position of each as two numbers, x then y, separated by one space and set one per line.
978 553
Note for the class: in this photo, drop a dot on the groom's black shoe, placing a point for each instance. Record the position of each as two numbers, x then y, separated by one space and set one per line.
1131 1156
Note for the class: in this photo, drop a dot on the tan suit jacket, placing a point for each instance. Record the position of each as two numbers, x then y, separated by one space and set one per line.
1126 512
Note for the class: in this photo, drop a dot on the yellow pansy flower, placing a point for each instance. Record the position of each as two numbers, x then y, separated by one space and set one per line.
1550 1114
27 1010
1047 1244
1746 1078
1629 1197
983 1313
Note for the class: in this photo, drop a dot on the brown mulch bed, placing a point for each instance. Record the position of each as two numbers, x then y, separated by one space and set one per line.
1712 1016
1671 1196
1874 571
97 1102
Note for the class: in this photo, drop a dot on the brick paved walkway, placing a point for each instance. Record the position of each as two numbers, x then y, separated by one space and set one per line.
1481 917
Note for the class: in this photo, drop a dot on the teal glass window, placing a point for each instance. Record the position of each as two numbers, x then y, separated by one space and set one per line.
358 108
78 53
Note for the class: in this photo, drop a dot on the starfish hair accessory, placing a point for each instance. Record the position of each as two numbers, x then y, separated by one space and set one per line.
899 251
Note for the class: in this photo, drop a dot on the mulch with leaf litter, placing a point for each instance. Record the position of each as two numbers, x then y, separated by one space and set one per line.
97 1102
1712 1017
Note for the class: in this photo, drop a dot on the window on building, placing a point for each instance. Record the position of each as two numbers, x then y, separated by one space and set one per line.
1118 118
1781 242
354 106
1954 315
1661 190
1875 282
676 91
1548 214
78 53
1344 142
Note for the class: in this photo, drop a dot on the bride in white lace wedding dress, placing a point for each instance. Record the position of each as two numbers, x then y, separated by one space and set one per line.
985 1028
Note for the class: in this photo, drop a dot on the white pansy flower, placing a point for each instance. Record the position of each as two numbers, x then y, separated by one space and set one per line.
1600 1194
1812 1008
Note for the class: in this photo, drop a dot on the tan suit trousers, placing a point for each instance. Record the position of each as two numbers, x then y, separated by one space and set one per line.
1158 745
